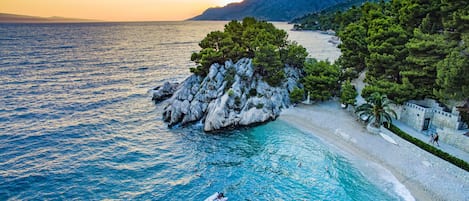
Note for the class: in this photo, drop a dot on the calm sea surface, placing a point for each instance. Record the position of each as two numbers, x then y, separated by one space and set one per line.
77 123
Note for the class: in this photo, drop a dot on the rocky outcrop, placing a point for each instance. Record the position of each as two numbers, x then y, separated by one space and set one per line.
230 95
163 92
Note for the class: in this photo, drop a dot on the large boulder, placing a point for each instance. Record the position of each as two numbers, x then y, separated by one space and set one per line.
164 91
230 95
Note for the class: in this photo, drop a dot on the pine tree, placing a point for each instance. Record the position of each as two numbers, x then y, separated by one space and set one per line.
453 73
386 46
425 51
321 80
353 48
348 93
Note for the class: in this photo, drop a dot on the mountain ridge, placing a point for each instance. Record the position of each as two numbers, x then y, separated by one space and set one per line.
15 18
271 10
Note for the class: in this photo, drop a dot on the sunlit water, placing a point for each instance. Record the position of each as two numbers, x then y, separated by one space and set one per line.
77 122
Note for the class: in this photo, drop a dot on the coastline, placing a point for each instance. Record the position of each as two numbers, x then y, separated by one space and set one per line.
420 172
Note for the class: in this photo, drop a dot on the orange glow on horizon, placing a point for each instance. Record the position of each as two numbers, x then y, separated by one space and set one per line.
112 10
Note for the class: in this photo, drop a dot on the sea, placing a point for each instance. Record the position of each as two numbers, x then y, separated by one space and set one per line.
77 123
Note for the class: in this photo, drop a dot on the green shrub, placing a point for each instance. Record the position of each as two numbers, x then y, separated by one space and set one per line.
431 149
253 92
348 93
237 101
244 77
229 77
260 106
297 95
231 92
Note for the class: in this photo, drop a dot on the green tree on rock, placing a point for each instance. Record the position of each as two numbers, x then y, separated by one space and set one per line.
267 63
257 40
295 55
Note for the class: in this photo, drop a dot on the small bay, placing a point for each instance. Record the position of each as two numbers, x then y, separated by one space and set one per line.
77 122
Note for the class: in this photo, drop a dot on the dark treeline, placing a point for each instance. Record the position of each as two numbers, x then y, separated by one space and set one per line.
333 17
411 49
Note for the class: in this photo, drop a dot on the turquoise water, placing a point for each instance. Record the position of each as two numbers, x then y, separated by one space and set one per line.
77 123
268 162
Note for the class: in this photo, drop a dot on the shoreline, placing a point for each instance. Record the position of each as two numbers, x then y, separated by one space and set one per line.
425 176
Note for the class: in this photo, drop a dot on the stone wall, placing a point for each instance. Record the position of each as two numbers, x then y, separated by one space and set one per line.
446 120
456 139
414 115
428 103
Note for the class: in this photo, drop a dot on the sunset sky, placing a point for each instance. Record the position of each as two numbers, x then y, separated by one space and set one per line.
112 10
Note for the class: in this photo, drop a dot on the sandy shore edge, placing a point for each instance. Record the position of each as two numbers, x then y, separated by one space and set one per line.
424 175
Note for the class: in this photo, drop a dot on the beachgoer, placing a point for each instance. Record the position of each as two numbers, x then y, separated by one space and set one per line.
435 139
217 196
432 138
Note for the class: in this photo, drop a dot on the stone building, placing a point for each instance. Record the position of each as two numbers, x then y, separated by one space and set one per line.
429 116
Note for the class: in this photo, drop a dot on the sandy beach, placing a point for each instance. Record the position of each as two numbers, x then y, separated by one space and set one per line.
420 175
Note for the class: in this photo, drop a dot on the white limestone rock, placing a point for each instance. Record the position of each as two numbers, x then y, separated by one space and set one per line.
255 115
220 103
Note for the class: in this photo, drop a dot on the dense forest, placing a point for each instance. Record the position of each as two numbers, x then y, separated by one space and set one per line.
410 49
326 19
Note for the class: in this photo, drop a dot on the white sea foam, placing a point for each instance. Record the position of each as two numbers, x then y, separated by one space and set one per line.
387 180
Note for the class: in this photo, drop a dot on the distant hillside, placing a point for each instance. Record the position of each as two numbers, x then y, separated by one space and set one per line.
12 18
329 18
272 10
343 6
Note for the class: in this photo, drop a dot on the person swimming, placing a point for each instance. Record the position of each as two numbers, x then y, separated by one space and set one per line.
218 196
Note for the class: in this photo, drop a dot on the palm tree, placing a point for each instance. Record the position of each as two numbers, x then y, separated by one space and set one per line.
377 109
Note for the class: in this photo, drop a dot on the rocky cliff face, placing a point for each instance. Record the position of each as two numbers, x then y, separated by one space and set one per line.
230 95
